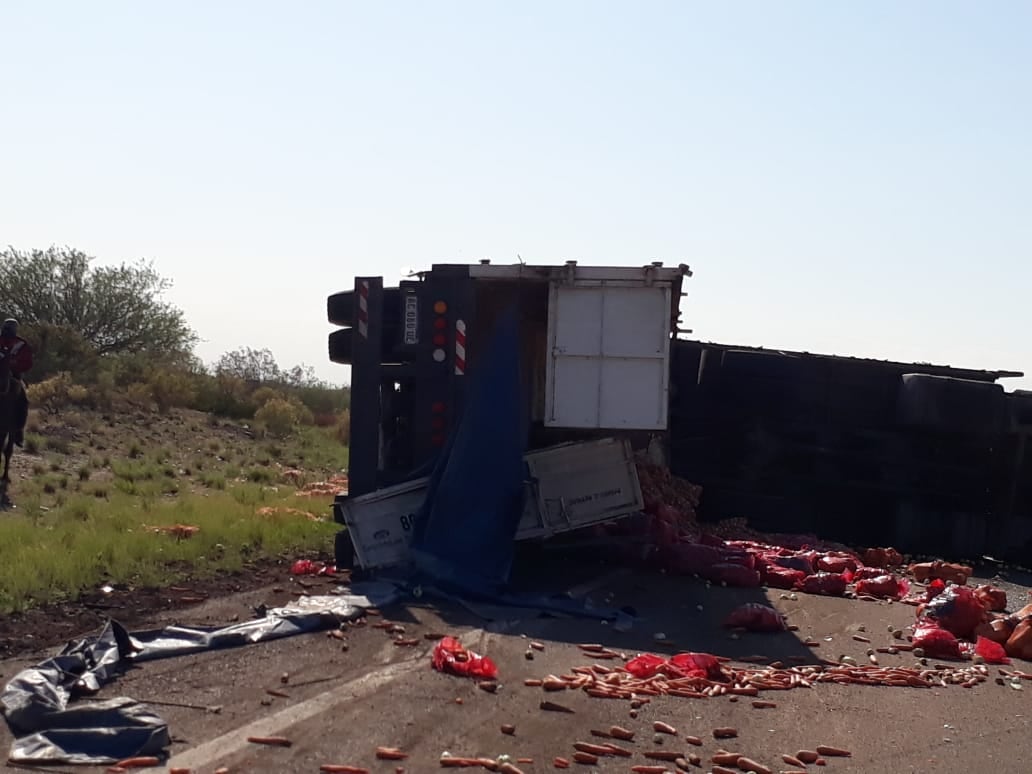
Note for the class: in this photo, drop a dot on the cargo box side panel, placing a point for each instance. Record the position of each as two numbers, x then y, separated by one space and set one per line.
381 523
586 483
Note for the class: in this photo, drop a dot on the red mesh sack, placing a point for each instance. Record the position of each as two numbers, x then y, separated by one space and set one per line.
884 586
993 599
755 617
782 577
957 610
828 584
452 657
836 563
992 652
935 641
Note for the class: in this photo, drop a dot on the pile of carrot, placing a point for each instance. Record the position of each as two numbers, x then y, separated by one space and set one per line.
606 682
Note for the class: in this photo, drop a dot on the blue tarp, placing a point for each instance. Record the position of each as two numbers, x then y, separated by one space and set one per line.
464 534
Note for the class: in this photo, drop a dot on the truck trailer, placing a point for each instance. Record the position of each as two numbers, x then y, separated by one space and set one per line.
930 458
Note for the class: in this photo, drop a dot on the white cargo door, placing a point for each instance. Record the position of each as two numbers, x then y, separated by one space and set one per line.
610 348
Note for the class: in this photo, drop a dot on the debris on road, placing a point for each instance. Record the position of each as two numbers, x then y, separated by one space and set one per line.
273 741
551 706
36 701
452 657
755 617
390 754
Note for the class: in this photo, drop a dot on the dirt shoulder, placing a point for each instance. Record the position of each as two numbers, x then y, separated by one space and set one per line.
222 598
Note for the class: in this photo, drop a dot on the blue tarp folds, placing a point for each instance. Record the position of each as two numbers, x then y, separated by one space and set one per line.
464 534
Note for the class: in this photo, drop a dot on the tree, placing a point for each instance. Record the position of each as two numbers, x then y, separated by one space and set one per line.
116 309
255 366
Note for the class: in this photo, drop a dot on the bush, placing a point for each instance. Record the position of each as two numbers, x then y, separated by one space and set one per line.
171 388
52 394
140 394
79 395
263 395
58 349
224 395
279 417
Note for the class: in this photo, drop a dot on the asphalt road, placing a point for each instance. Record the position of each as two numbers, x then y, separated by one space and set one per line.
341 704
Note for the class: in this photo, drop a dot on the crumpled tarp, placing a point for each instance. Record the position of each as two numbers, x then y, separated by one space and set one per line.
464 534
47 729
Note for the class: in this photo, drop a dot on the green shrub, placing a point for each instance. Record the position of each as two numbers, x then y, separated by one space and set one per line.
171 388
51 394
278 417
140 394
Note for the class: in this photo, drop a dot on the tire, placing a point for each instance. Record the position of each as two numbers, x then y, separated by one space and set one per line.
339 345
340 308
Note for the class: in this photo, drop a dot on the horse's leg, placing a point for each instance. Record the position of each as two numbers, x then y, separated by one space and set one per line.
8 446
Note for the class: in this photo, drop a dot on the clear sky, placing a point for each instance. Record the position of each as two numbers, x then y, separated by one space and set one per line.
843 177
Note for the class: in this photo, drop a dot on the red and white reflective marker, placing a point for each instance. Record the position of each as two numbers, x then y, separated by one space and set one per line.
363 309
460 347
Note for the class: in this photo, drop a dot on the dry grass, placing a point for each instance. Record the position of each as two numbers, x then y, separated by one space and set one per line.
88 486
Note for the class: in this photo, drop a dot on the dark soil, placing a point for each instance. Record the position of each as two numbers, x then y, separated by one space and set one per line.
32 631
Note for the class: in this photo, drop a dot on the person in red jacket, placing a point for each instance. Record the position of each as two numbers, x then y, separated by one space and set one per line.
18 354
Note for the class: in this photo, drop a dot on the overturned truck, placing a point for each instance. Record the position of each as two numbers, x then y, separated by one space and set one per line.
929 458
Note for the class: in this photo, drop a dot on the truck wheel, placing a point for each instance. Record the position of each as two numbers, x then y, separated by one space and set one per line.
340 308
340 346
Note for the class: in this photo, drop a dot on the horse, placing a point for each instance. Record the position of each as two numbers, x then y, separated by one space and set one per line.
8 408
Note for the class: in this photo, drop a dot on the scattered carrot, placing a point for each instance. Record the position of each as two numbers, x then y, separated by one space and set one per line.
664 728
390 754
537 645
807 756
551 706
748 764
508 729
561 763
616 749
832 752
583 757
791 760
593 749
725 732
340 768
764 704
140 762
731 759
618 732
693 740
179 770
649 769
723 770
